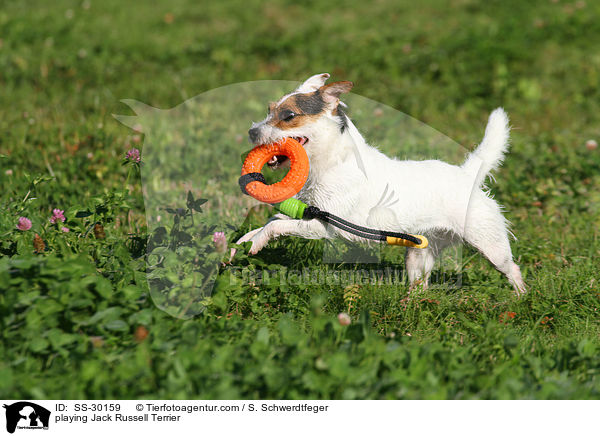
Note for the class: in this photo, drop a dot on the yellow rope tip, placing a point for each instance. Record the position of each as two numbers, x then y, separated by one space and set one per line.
399 241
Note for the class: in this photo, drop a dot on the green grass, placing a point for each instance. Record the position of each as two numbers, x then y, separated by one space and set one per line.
83 306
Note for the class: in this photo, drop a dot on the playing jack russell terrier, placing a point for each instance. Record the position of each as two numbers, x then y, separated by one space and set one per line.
353 181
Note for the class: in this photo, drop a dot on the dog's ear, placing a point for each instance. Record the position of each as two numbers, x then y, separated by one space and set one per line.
331 93
313 83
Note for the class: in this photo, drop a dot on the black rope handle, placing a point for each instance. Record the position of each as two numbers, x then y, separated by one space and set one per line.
381 235
353 231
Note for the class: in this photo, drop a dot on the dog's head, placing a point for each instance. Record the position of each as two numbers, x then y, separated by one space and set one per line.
311 114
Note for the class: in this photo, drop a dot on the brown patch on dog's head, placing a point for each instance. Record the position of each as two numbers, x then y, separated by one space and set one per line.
300 109
297 110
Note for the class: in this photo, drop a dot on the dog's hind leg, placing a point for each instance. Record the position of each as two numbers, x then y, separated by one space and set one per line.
420 261
498 253
486 230
419 264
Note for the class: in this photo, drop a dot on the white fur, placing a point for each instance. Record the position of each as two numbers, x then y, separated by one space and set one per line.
357 182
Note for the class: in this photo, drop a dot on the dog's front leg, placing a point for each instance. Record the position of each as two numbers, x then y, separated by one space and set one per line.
281 225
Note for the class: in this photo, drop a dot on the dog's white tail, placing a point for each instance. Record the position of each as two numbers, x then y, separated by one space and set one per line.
490 153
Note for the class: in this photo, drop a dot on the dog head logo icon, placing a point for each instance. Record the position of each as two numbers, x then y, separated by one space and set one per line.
26 415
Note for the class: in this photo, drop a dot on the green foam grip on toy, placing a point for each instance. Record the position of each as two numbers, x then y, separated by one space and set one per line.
292 208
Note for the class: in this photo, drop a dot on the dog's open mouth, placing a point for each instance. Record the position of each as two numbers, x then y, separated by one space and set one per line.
277 161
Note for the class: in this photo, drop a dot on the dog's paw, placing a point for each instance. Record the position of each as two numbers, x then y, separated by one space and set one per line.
520 289
418 285
258 237
259 241
248 236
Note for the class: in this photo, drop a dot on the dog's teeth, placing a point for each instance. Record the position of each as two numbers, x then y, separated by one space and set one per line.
273 160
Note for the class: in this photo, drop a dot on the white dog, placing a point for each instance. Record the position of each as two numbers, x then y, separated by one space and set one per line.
350 179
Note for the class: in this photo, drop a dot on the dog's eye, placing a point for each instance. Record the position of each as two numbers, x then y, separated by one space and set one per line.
287 115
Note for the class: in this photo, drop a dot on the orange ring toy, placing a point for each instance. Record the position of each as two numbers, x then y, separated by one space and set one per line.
252 181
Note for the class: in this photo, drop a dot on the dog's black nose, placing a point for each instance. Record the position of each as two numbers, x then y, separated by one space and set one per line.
253 134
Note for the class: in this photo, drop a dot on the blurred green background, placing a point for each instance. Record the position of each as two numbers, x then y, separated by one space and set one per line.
80 305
